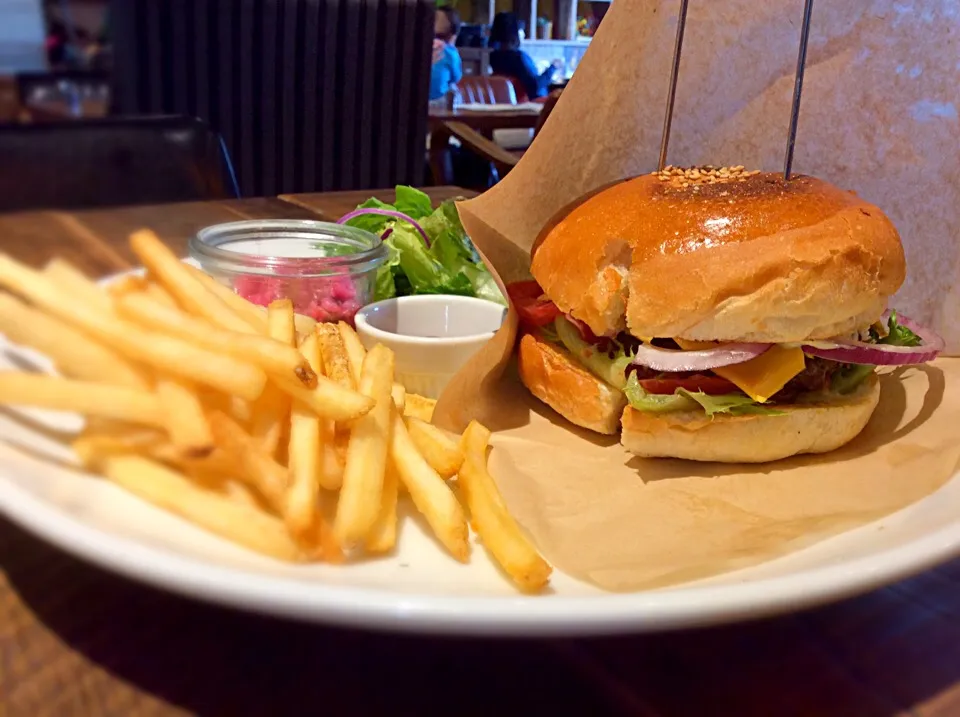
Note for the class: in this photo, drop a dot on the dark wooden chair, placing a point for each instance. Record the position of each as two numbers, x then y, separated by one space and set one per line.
309 95
81 164
487 90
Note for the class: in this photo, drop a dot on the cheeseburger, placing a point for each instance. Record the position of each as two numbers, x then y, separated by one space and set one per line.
716 314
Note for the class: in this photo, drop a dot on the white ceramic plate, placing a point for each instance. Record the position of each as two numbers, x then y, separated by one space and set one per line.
421 589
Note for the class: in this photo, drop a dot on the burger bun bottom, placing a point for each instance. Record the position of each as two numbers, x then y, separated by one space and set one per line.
802 428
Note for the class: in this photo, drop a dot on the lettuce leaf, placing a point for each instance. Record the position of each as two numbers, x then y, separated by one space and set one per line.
611 370
850 376
412 202
898 335
424 273
385 284
734 404
450 266
655 402
375 223
549 334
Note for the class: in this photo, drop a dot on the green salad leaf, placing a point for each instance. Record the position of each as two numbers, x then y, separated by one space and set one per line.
450 266
899 335
850 376
374 223
612 370
655 402
412 202
425 273
549 334
734 404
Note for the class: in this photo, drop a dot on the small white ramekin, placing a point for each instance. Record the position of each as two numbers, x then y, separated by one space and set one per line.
431 335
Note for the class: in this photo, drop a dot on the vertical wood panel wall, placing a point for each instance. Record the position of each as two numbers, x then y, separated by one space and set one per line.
309 95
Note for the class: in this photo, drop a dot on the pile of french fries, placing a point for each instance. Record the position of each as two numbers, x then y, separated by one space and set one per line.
255 423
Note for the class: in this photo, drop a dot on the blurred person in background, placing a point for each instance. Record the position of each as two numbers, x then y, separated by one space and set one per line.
447 68
509 60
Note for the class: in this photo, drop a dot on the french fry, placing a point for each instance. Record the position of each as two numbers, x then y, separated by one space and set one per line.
239 493
92 444
166 267
237 408
431 495
219 462
161 352
75 354
185 420
331 463
303 456
271 414
75 282
120 403
270 355
418 406
156 292
336 363
210 477
255 316
354 349
328 399
280 323
362 490
336 366
488 513
128 284
259 469
224 516
439 450
399 394
383 535
305 324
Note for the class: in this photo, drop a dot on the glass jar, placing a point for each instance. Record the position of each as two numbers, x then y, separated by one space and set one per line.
327 270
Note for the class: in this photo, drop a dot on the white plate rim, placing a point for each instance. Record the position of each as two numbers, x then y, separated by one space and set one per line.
527 616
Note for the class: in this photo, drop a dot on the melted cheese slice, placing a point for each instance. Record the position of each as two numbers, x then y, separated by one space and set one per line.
760 377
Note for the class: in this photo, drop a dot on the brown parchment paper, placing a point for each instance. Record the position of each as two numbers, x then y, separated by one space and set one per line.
879 116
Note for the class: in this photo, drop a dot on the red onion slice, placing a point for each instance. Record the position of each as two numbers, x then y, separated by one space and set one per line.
386 213
859 352
724 355
586 333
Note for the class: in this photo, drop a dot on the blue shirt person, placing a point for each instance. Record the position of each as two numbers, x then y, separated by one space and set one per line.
447 68
510 61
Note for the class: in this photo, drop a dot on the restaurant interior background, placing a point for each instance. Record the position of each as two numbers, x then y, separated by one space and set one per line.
79 61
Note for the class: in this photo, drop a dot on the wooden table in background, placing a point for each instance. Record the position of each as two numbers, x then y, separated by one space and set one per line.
486 122
76 640
60 110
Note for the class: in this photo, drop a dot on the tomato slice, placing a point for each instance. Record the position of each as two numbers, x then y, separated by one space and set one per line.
711 385
534 308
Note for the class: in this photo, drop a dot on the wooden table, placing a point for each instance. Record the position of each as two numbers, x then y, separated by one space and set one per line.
60 110
463 123
487 120
75 640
